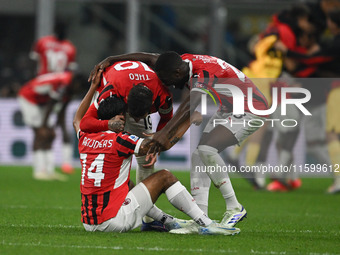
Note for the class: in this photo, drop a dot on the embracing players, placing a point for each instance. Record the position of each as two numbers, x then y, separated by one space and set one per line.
201 74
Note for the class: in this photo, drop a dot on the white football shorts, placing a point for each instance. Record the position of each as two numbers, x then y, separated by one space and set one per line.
32 114
241 126
137 204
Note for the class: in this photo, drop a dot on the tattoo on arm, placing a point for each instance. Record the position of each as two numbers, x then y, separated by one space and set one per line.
172 132
174 140
116 126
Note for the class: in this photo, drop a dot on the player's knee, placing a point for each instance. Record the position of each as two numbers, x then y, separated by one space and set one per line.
206 151
167 178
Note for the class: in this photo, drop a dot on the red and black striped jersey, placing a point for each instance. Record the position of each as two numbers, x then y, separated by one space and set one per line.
118 80
327 58
105 158
207 71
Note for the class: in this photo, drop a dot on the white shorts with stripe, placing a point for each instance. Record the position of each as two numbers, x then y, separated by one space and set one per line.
241 126
137 204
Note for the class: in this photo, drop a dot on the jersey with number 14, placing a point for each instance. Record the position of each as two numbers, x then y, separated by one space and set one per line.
106 161
207 71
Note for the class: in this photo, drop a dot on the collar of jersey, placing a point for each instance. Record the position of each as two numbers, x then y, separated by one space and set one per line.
190 67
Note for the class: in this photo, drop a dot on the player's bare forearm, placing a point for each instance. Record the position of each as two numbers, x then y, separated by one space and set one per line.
148 58
171 141
85 103
181 116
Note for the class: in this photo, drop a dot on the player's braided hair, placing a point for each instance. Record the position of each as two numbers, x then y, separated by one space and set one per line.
139 101
110 107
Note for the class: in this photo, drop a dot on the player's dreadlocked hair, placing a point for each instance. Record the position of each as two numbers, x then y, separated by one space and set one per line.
139 101
110 107
168 62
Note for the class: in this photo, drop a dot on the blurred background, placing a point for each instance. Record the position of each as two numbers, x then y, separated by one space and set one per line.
226 29
99 28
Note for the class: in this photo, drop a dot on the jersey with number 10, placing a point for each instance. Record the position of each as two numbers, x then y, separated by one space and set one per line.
118 80
105 158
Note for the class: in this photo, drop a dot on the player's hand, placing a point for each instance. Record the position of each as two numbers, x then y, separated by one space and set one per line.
152 158
95 82
157 142
102 65
196 118
117 123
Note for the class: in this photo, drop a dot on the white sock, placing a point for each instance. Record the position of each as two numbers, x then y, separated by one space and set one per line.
142 172
221 180
180 198
285 158
49 157
67 153
200 182
159 215
38 162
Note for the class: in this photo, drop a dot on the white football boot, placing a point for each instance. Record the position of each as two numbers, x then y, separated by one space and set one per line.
232 217
218 229
191 227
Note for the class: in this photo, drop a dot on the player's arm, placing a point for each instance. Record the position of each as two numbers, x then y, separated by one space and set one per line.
148 58
320 56
145 145
85 103
181 118
165 112
164 119
91 124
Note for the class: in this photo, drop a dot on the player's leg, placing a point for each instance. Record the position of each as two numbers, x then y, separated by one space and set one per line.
333 131
334 152
210 146
252 153
215 139
139 128
32 117
315 133
165 182
200 182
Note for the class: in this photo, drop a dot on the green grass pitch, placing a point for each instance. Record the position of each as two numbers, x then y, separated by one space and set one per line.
39 217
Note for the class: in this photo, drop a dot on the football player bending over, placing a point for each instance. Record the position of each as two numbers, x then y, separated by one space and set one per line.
107 203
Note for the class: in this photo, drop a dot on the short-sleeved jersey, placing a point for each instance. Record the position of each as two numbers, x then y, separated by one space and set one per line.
44 87
207 71
54 55
105 158
118 80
